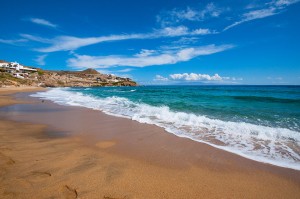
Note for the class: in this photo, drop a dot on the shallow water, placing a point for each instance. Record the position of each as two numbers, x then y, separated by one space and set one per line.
258 122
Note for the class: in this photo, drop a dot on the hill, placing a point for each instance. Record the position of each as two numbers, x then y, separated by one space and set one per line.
90 71
47 78
86 78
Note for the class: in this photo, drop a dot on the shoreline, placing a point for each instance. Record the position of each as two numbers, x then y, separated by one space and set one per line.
240 128
145 161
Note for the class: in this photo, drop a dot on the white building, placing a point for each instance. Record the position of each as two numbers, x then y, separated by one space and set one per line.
16 68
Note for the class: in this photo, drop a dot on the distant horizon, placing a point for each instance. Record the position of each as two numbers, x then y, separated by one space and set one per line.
159 42
178 83
292 85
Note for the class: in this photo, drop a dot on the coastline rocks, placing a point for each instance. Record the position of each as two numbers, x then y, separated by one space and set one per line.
86 78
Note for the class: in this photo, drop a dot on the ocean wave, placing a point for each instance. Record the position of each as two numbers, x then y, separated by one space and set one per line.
277 146
119 91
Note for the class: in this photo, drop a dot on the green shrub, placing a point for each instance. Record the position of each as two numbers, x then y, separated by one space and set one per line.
40 72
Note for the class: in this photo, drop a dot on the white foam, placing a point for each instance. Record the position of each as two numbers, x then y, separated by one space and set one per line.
277 146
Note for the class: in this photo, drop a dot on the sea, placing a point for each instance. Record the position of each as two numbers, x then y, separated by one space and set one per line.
261 123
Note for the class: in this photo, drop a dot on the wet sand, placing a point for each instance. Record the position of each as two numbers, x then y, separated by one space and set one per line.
53 151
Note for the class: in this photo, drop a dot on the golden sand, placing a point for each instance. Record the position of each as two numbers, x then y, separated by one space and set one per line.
153 165
105 144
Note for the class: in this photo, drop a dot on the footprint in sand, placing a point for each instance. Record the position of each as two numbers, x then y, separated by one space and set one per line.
8 160
41 174
108 197
37 176
69 192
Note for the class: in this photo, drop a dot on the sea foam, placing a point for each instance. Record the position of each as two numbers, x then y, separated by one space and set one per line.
277 146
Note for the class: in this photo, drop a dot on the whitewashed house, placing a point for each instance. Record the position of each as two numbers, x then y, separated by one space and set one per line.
16 69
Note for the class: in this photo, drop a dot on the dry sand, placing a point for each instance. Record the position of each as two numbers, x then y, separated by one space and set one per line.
52 151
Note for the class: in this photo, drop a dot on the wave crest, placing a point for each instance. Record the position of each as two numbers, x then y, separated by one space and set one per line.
277 146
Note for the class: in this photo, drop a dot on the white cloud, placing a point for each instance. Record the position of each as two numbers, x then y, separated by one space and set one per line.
203 77
252 5
40 60
258 14
36 38
181 31
284 2
160 78
65 43
202 31
210 11
273 8
196 77
185 40
255 14
42 22
145 53
160 58
189 14
68 43
12 41
125 70
173 31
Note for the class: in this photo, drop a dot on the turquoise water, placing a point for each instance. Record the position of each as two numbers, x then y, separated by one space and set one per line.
258 122
269 106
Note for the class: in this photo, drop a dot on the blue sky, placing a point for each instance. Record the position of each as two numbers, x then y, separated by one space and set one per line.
158 42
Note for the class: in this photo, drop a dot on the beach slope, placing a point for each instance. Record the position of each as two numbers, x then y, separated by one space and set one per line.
53 151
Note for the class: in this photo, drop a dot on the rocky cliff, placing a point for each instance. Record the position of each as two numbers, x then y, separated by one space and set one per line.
86 78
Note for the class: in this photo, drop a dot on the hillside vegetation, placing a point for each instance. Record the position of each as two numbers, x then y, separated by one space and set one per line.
86 78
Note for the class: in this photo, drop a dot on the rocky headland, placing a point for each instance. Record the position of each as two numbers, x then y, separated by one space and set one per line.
47 78
86 78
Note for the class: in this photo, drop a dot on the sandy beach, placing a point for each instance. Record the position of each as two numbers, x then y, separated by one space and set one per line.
53 151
